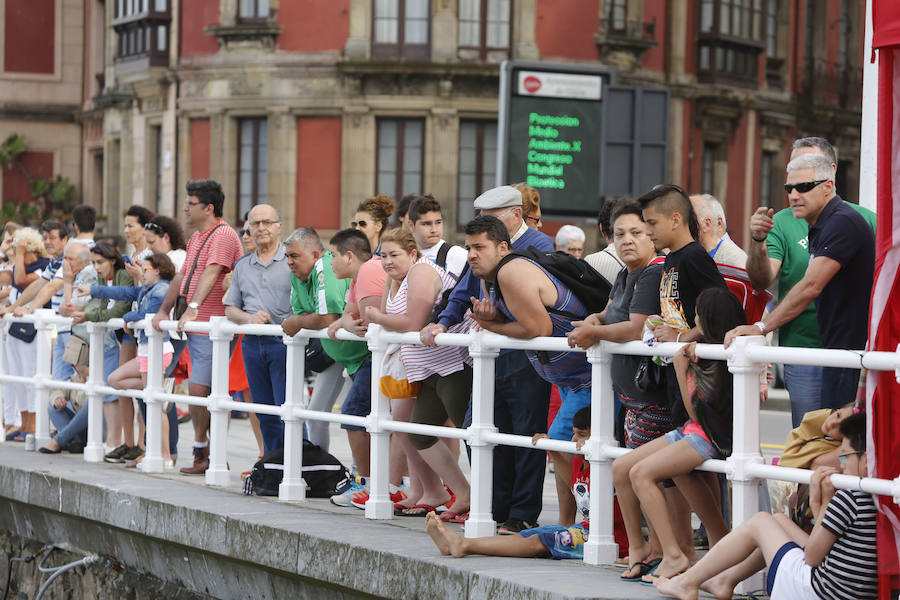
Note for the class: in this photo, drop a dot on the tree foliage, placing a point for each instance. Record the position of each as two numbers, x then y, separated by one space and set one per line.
51 198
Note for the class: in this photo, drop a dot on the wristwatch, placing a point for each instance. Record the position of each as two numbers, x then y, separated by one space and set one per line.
194 305
762 327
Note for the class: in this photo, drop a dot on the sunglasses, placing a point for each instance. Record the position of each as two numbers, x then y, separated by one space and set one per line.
842 458
155 228
358 224
244 232
804 186
149 267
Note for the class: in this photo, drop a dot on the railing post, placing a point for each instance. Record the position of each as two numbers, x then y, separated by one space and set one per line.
153 459
379 505
217 473
293 487
481 519
93 452
745 438
601 547
43 377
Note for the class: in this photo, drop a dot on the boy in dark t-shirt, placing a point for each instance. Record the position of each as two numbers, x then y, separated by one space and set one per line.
688 270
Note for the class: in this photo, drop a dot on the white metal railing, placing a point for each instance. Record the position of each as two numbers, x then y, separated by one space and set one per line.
746 359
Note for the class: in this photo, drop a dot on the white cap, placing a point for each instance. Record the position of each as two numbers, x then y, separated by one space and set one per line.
499 197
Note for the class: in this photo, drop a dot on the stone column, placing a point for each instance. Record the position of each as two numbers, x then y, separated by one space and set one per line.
282 168
358 42
442 160
524 44
357 158
444 30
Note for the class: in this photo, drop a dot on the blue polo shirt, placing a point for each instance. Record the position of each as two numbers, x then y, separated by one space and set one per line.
842 234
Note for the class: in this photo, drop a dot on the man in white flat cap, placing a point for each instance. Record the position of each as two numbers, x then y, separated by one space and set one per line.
521 397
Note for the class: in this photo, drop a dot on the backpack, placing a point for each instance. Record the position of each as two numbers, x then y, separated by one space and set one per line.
321 471
441 261
585 282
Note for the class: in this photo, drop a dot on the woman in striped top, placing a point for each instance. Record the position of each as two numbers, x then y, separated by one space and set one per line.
838 560
415 287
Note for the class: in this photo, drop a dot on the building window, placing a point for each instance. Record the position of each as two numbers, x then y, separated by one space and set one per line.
142 30
253 164
401 145
843 33
731 39
484 27
617 14
769 187
253 10
477 164
771 28
401 29
708 168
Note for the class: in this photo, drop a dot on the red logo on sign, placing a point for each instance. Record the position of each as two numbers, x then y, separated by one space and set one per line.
532 84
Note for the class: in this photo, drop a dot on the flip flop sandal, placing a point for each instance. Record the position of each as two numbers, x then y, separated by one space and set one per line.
416 510
655 577
451 517
647 568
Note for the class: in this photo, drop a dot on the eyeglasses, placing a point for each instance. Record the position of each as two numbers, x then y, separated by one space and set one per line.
359 224
842 458
155 228
191 203
536 220
804 186
262 223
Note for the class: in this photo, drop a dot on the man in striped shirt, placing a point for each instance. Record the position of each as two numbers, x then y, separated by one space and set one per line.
838 560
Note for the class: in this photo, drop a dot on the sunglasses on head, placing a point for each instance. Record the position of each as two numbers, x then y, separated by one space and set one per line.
155 228
803 186
360 224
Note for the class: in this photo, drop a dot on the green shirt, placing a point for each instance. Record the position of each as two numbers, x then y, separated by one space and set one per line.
788 242
322 293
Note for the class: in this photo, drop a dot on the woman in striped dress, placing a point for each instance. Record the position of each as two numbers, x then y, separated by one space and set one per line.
416 286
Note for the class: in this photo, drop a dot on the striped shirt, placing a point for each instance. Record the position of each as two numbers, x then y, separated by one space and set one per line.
223 248
421 362
850 569
569 370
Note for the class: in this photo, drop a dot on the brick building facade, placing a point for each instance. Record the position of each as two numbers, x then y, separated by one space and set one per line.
312 105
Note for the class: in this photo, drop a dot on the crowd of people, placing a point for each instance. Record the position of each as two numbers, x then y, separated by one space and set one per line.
669 273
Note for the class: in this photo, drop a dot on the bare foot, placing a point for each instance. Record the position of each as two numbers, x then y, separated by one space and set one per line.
719 587
454 540
668 569
675 588
437 536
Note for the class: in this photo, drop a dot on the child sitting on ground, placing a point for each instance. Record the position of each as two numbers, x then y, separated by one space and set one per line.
554 541
837 560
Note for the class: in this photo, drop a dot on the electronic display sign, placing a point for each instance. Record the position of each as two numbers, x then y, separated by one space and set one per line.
550 133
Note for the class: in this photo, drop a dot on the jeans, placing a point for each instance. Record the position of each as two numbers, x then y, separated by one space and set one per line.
804 386
839 386
70 425
110 361
264 361
61 369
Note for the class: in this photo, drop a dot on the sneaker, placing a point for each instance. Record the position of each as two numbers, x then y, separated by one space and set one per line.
133 453
512 525
360 498
346 491
700 541
116 455
183 415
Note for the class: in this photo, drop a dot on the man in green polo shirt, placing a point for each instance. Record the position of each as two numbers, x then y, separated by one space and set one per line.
779 250
317 299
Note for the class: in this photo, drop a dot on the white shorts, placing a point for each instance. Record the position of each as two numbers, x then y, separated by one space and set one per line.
793 577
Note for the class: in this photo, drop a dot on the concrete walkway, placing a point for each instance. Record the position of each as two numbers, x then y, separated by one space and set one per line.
219 533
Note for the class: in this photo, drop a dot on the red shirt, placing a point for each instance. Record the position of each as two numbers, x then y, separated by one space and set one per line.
222 248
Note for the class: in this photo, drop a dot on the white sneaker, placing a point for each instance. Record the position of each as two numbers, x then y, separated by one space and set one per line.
349 490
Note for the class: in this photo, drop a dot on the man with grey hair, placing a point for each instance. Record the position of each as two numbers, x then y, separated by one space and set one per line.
570 239
779 251
712 236
838 278
260 292
317 300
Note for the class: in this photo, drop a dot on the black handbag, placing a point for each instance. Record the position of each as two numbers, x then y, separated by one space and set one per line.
181 302
649 377
23 331
317 360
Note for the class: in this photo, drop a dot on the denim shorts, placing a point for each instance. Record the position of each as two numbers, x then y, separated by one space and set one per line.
200 347
358 401
703 447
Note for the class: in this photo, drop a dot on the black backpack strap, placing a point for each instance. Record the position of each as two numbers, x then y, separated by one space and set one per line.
514 255
441 258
